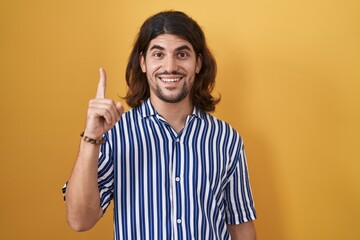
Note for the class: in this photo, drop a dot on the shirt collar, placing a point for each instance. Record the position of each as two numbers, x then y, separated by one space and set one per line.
146 109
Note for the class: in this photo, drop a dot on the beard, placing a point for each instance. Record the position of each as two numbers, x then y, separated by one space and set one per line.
173 98
169 94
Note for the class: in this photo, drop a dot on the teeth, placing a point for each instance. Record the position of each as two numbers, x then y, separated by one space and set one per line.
170 79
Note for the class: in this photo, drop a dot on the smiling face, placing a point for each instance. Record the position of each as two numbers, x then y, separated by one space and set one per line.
170 66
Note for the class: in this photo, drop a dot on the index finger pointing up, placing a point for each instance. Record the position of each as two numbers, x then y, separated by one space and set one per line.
102 84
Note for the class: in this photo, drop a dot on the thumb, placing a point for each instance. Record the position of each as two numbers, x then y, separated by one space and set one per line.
120 108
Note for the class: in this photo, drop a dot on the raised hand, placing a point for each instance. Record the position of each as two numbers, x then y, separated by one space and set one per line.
102 113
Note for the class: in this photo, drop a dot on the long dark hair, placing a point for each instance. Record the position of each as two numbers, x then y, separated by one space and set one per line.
181 25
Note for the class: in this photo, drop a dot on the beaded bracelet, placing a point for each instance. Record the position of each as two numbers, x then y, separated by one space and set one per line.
91 140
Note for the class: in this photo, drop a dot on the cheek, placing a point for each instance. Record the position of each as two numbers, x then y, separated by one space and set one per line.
152 66
149 77
191 67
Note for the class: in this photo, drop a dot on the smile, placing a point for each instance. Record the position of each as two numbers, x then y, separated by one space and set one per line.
170 80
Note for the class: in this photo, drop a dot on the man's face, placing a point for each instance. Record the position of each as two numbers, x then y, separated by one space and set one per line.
170 66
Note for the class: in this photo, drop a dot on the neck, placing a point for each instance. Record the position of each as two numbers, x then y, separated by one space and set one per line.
174 113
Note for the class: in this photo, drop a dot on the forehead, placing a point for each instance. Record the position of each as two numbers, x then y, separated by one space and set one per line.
169 42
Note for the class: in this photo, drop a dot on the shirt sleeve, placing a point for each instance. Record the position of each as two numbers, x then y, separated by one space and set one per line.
105 175
239 204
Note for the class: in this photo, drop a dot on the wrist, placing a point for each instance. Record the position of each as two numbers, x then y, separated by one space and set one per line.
94 133
95 141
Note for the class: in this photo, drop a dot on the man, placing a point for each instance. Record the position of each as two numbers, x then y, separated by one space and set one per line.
172 170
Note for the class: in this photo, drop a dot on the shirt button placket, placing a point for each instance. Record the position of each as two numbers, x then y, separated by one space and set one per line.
178 187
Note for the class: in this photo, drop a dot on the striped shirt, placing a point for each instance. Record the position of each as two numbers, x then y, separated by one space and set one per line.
169 185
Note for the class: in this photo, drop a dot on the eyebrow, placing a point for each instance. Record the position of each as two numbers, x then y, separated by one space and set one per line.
184 47
157 47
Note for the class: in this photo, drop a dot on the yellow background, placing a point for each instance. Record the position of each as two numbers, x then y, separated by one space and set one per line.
289 77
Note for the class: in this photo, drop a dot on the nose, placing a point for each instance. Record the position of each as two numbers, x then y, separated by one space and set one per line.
170 64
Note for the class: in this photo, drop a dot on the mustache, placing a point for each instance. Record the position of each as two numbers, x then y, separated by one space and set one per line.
169 73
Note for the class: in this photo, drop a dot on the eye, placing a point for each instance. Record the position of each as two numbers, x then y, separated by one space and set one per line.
157 55
183 54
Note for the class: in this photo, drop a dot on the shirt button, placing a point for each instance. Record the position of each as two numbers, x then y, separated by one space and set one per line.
177 179
177 140
178 221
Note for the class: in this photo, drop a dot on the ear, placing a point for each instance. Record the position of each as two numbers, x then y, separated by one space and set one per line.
199 61
142 62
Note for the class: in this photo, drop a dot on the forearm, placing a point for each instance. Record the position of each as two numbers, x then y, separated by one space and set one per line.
82 194
243 231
